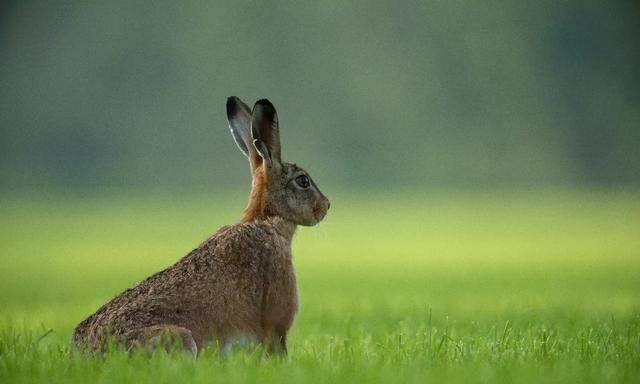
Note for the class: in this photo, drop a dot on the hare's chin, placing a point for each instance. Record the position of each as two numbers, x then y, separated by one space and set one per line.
319 216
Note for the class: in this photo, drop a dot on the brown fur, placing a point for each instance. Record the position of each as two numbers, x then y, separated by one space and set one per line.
257 199
239 282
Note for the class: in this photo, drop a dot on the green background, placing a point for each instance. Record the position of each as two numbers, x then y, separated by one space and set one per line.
374 94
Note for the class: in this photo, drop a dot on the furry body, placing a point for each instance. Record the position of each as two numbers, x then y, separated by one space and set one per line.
235 282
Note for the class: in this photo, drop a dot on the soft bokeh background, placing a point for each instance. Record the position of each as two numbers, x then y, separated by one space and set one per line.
371 94
481 158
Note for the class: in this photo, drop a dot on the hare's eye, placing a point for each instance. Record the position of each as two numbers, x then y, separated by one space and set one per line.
303 181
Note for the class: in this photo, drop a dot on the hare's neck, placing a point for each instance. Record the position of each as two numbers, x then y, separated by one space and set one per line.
257 199
284 227
257 208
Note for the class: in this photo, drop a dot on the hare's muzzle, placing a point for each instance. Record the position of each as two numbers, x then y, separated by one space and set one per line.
321 208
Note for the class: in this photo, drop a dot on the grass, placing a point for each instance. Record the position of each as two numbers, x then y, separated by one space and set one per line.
485 287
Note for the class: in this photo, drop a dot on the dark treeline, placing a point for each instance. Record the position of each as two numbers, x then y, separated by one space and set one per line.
386 93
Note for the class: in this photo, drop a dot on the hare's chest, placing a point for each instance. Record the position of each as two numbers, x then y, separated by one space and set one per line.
281 293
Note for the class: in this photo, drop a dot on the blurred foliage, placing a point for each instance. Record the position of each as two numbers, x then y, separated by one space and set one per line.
375 93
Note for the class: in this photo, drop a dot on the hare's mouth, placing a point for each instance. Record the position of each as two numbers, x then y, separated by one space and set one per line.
318 216
320 211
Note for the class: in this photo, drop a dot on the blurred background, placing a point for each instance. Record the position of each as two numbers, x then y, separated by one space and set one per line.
379 95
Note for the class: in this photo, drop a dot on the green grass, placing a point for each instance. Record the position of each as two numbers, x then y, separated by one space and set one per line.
489 287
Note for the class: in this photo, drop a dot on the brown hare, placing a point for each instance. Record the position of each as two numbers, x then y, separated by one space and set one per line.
240 282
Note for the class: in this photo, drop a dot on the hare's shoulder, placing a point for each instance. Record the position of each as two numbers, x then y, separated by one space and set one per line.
242 241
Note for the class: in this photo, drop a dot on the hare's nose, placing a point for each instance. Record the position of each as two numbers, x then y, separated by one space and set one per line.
328 204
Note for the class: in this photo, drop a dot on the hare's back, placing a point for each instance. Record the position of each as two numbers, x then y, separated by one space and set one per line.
219 283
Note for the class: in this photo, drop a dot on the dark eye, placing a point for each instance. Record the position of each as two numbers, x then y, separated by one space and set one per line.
303 181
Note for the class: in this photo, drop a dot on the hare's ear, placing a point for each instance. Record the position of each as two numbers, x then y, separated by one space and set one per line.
239 116
265 132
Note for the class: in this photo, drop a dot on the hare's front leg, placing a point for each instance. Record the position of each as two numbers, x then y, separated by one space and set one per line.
275 341
164 336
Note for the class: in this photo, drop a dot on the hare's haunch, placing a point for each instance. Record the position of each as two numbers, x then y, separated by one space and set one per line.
240 282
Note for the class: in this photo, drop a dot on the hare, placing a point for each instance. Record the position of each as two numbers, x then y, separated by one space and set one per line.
240 282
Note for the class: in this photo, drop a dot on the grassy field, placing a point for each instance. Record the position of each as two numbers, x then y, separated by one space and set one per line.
442 287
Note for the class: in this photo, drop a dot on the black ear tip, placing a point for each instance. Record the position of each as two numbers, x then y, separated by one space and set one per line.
265 103
265 108
232 105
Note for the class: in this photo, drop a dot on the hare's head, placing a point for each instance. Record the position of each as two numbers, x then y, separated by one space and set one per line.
279 188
